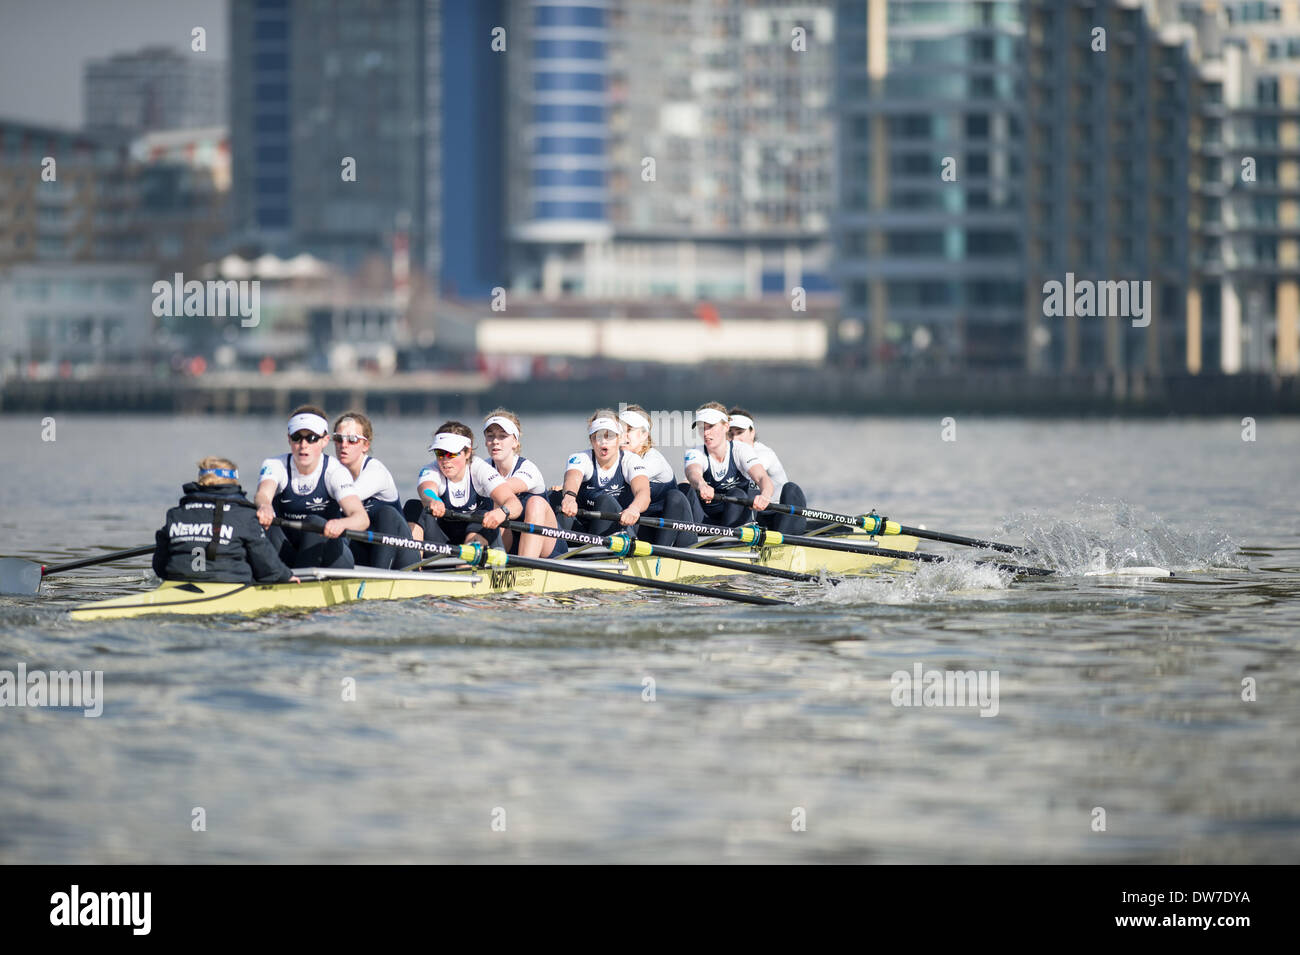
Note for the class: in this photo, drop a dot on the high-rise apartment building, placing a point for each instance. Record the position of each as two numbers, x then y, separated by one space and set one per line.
65 197
1106 185
679 150
153 89
929 229
1243 311
335 127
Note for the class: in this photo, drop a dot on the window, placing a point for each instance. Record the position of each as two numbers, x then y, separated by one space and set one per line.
569 210
568 50
569 146
568 17
577 178
567 113
984 243
582 82
914 243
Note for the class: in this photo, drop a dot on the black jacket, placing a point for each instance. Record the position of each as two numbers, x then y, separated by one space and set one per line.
241 554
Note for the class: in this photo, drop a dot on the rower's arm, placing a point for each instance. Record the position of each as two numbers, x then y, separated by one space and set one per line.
568 499
434 504
505 497
263 499
695 475
766 489
641 488
354 516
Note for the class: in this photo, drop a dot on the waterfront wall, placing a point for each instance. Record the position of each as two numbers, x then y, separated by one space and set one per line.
763 390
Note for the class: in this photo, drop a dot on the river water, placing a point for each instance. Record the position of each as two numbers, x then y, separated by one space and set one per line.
1135 719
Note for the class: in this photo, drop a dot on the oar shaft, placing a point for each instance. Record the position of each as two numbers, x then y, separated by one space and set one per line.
752 534
873 524
625 547
100 559
567 567
958 539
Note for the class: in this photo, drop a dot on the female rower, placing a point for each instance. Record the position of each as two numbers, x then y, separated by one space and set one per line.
213 534
461 484
605 478
308 484
374 484
723 468
666 500
742 428
501 434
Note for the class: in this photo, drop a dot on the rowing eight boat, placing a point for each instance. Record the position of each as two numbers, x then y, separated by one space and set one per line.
323 587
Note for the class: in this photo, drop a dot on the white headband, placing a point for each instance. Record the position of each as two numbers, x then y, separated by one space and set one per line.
308 422
741 422
709 416
506 425
449 441
635 419
604 424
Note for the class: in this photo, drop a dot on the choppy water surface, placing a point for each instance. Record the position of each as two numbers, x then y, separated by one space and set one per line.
1117 693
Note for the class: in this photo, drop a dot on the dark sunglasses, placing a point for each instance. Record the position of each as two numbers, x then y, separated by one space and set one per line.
307 436
440 454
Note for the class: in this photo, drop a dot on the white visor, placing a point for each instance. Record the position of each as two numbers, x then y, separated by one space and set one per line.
308 422
505 425
604 424
634 420
709 416
449 441
741 422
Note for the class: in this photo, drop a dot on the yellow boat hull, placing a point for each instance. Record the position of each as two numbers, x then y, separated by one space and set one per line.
172 596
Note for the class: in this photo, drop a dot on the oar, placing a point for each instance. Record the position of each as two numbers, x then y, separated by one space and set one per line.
624 546
478 556
759 536
18 576
873 524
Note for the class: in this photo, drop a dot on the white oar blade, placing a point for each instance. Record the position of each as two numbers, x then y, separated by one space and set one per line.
18 576
1130 572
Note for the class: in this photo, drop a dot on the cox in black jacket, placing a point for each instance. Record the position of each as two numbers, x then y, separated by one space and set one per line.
238 552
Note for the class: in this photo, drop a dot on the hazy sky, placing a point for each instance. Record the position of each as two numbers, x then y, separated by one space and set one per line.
45 43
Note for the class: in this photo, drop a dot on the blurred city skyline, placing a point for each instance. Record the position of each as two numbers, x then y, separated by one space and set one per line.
519 185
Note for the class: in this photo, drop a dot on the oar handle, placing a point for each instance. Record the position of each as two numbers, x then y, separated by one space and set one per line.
472 554
477 556
871 523
624 545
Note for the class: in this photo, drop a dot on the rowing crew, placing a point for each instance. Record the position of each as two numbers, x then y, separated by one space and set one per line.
610 486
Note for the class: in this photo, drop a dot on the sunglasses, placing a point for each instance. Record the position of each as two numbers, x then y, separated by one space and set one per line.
607 436
440 454
341 439
307 436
